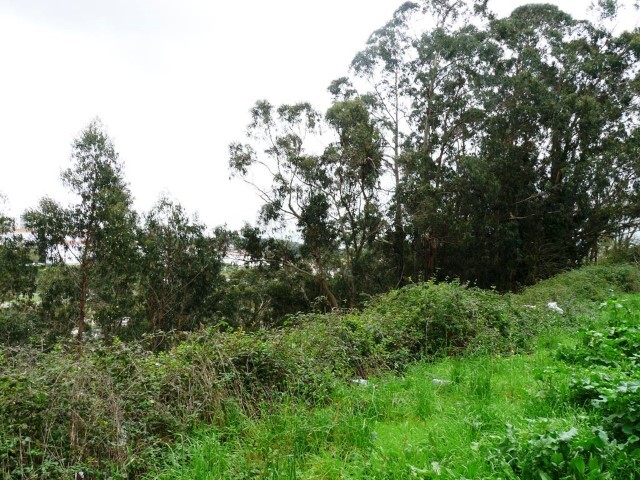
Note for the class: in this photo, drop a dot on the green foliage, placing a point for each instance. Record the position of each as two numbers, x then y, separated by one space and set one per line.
98 230
493 150
510 163
179 269
433 318
59 297
19 323
579 291
601 370
543 450
330 197
262 298
113 410
606 381
482 417
17 272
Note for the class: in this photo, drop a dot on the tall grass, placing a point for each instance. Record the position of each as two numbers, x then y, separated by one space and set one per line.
394 427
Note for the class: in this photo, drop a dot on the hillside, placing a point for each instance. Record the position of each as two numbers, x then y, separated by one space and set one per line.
313 393
568 410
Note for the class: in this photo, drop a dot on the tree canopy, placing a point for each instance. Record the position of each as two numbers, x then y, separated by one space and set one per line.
496 150
459 144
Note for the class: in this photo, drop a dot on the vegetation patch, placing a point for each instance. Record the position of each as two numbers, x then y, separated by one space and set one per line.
114 409
529 416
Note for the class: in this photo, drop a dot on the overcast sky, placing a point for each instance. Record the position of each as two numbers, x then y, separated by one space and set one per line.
172 81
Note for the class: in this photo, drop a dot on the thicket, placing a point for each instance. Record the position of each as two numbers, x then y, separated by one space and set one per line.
112 411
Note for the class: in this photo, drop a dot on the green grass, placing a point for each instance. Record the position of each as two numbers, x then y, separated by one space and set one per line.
391 428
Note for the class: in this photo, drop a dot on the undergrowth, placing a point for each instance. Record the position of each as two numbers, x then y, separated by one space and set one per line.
558 413
116 410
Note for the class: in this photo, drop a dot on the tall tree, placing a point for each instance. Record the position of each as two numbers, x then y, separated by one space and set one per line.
510 141
560 133
415 82
98 230
330 196
352 165
383 65
295 193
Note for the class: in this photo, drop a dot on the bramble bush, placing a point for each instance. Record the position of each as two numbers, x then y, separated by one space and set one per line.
549 451
605 381
111 411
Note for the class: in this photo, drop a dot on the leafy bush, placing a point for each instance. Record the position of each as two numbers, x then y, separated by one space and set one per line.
434 318
606 382
18 323
59 298
579 291
549 452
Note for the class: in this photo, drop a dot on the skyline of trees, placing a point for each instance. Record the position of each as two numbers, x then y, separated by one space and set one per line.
506 147
499 151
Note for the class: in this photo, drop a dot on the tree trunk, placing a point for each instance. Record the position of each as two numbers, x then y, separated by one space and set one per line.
324 285
151 313
398 234
84 288
322 280
430 260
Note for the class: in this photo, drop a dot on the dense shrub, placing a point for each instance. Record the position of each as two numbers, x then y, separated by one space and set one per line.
606 382
434 318
549 452
110 410
59 298
19 323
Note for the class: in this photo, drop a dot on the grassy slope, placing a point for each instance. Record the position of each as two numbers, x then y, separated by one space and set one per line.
496 409
392 428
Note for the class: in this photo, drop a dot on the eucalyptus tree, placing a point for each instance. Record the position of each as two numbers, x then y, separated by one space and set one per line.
180 268
329 195
561 137
383 65
414 69
513 140
98 231
293 194
452 58
352 165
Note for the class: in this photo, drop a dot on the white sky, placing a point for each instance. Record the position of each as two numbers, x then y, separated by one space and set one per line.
172 81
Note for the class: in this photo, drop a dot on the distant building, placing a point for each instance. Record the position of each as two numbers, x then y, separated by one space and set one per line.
235 257
239 258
